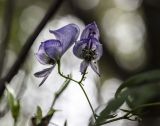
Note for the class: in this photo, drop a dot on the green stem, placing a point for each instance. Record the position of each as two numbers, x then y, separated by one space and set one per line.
59 92
126 116
113 120
60 73
83 76
79 83
88 100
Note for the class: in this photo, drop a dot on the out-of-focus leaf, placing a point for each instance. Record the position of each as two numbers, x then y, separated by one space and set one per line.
51 112
13 103
39 120
111 107
39 115
142 94
39 112
46 119
140 79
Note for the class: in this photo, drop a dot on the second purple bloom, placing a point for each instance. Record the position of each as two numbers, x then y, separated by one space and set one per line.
89 48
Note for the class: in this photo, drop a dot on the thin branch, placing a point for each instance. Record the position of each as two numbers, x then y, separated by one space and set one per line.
25 49
46 119
79 83
113 120
59 92
6 30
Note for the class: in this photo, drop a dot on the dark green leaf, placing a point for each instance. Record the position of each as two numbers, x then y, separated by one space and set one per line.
140 79
111 107
51 112
39 112
142 94
39 115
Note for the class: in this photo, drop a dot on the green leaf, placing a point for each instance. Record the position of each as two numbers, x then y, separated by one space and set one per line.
39 112
140 79
13 103
39 115
111 107
51 112
141 94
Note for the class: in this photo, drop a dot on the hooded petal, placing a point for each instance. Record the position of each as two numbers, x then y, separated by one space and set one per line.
67 35
83 67
53 49
44 73
41 55
91 30
90 44
78 48
94 67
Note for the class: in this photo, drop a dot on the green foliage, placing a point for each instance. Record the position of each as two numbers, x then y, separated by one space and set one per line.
39 115
139 80
39 119
113 105
51 112
141 88
136 91
14 104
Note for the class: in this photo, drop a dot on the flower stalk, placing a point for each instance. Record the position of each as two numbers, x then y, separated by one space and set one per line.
79 83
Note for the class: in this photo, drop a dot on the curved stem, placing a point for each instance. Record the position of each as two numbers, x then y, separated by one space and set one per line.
83 76
59 92
126 116
60 73
79 83
113 120
88 100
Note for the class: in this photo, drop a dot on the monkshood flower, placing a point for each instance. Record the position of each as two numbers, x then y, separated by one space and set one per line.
89 48
50 51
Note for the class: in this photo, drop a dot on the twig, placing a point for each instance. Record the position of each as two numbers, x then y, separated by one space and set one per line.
6 30
46 119
113 120
25 49
126 116
60 91
79 83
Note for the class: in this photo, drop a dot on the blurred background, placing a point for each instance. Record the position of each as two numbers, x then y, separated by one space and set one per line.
129 32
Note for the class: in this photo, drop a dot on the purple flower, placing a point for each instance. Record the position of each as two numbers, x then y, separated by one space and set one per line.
50 51
89 48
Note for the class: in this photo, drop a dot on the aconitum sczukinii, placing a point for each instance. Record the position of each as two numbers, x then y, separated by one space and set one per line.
89 48
50 51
